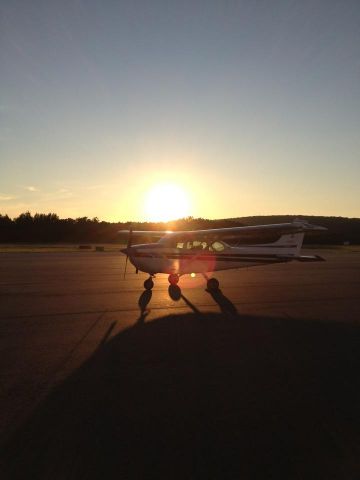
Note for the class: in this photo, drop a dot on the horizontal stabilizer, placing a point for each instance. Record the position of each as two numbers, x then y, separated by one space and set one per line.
310 258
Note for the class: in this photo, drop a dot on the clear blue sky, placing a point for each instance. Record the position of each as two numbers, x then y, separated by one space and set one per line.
253 107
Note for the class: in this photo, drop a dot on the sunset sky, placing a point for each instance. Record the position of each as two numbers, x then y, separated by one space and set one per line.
234 107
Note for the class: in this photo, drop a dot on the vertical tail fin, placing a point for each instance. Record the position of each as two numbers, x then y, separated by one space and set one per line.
290 244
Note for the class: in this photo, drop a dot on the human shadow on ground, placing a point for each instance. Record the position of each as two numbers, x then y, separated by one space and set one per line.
198 396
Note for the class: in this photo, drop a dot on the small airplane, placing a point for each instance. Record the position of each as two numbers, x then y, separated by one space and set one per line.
203 251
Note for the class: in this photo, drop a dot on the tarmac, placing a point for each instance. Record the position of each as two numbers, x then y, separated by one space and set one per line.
101 379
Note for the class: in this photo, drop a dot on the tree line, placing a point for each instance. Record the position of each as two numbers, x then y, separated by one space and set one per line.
50 228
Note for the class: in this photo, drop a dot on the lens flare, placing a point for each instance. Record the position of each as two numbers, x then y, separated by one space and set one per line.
166 201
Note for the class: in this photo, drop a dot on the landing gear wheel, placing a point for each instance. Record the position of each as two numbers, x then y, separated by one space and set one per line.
173 279
148 284
213 284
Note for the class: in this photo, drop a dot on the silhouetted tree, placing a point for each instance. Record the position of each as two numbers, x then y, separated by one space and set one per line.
45 228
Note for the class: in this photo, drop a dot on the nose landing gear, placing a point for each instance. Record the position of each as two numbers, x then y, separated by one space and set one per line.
173 279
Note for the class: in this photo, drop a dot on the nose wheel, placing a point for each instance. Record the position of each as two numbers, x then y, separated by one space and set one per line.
173 279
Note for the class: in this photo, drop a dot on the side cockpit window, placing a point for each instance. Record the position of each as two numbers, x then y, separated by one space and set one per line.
217 246
196 245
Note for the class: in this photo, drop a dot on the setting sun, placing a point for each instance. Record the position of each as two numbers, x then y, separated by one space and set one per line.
166 201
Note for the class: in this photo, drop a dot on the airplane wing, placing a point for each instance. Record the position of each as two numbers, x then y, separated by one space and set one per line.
143 236
147 233
235 233
264 233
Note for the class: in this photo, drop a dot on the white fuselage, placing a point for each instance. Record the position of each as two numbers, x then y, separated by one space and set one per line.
203 251
157 258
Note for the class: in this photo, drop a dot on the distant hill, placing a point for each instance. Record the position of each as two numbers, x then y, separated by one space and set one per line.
49 228
340 229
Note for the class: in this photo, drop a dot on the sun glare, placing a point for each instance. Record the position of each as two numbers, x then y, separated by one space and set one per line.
166 201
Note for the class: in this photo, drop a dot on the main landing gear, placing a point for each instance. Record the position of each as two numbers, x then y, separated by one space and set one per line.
212 284
173 280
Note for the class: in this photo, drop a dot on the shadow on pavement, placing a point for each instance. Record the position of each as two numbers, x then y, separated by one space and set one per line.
143 302
226 306
190 396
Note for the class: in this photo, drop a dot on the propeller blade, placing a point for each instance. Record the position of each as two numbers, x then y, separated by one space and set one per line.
126 262
130 238
127 250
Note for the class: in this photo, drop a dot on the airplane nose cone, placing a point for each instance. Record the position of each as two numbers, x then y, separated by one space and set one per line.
128 250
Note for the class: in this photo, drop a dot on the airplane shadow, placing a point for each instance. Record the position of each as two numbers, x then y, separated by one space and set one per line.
143 302
176 294
226 306
180 398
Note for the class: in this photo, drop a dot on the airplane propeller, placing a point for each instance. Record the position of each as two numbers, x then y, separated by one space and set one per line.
127 250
